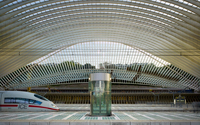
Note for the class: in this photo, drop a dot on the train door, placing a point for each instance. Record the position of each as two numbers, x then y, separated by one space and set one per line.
1 99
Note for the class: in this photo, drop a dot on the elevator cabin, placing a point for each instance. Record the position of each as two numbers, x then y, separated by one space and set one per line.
100 94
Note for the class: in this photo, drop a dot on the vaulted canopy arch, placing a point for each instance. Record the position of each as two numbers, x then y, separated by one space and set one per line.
74 63
164 28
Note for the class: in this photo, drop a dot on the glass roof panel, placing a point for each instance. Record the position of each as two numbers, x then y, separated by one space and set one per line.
120 5
122 61
100 12
104 51
156 17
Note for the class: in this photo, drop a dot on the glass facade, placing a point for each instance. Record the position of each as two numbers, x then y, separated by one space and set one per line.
100 97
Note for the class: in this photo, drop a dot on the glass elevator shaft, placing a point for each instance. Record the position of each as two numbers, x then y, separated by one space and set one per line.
100 94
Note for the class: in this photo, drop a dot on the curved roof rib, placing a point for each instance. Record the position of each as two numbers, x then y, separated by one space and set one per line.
167 29
129 65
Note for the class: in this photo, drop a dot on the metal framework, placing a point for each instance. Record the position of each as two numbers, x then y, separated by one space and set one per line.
169 29
74 64
120 98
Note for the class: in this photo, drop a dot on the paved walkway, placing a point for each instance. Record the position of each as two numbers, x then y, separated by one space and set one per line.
128 107
83 116
127 116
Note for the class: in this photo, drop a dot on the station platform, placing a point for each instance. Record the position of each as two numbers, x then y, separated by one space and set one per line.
129 107
78 115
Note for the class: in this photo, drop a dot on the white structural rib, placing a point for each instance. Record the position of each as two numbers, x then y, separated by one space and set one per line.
168 29
129 65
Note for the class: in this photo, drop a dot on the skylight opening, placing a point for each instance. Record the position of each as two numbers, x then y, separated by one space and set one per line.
187 3
98 53
23 6
181 1
166 3
102 13
69 20
90 8
117 5
10 4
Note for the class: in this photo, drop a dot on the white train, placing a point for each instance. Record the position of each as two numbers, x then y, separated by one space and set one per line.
24 101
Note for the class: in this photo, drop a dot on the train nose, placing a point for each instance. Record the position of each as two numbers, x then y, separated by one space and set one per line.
57 109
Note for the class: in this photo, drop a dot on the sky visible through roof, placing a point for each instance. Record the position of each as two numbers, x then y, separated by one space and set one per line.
97 53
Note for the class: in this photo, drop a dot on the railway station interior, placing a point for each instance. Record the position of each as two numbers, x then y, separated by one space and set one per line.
99 62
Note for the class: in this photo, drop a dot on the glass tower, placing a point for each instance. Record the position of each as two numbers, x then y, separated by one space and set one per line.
100 94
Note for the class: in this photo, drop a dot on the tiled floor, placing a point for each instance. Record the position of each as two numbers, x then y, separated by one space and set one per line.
125 112
127 107
83 116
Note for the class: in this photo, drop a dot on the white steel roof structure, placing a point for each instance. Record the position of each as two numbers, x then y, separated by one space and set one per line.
168 29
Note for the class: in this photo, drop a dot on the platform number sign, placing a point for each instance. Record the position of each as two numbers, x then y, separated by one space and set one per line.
22 106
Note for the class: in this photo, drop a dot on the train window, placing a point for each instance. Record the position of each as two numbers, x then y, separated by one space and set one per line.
26 101
7 100
12 100
22 100
34 102
40 97
31 101
37 103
